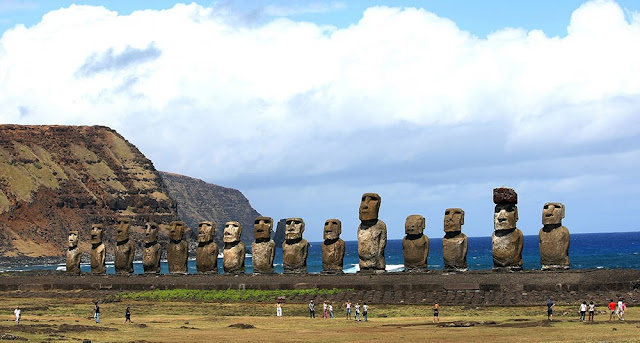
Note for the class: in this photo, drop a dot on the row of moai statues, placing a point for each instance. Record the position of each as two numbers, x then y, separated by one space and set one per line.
507 243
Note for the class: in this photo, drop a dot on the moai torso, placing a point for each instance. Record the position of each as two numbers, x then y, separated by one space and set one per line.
207 250
98 252
454 243
125 249
554 238
177 249
372 235
294 248
152 249
234 249
415 245
332 247
263 249
73 254
507 239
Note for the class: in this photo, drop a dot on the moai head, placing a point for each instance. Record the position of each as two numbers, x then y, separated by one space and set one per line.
414 225
294 228
332 229
122 230
232 232
453 219
505 214
176 230
552 213
73 238
96 233
150 232
369 206
206 230
262 228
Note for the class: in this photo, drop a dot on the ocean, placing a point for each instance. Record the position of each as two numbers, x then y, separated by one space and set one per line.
586 251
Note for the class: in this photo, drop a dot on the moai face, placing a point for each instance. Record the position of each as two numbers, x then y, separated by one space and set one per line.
332 229
262 228
505 216
369 206
96 234
453 219
294 228
150 232
552 213
122 230
414 225
232 232
73 239
176 230
206 230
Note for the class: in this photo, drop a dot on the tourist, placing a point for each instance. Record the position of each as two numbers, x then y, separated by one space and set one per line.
96 313
550 305
365 310
127 315
279 309
620 310
325 310
612 309
348 305
436 313
592 310
331 311
312 310
16 314
624 308
583 310
357 316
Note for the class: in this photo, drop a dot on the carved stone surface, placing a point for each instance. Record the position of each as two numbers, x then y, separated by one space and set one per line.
152 249
295 248
207 250
73 253
234 249
177 249
263 249
454 243
332 247
415 245
98 252
372 235
125 249
554 238
507 239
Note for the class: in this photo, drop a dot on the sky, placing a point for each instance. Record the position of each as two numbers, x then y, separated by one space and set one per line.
305 105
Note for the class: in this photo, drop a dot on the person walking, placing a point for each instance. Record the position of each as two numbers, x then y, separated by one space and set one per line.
348 305
583 310
312 310
436 313
331 311
365 310
550 305
624 308
278 309
612 309
592 310
620 310
357 316
96 313
127 315
325 310
17 313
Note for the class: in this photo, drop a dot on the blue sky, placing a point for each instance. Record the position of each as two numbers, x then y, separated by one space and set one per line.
304 106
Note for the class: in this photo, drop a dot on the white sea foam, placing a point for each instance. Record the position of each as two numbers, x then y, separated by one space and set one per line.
390 268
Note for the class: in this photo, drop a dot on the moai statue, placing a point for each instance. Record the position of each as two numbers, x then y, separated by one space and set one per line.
372 235
73 254
98 252
263 248
234 249
152 249
454 243
125 249
507 239
553 238
332 248
207 250
415 245
177 249
294 248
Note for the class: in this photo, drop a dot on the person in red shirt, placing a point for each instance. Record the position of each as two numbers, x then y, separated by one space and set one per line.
612 309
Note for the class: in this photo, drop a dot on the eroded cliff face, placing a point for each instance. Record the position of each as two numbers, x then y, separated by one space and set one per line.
57 178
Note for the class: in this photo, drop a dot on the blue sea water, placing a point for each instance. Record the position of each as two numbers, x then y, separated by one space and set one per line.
586 251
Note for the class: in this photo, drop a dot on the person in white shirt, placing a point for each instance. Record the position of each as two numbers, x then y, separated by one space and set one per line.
279 309
365 310
16 313
620 311
357 316
331 311
583 310
592 310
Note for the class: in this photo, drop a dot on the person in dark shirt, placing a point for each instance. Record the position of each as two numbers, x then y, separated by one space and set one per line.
96 313
127 315
550 305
